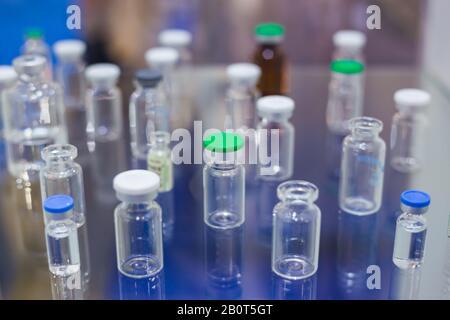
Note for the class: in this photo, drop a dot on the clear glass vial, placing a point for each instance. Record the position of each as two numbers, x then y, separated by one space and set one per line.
160 159
138 224
362 167
69 72
223 181
296 230
275 112
349 45
7 79
61 235
345 95
242 95
103 103
409 125
411 230
179 40
147 111
33 116
62 175
35 45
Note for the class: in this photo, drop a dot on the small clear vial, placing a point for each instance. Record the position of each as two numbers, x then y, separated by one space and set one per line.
33 117
104 104
147 111
160 159
409 125
242 95
8 77
35 45
411 230
349 45
62 175
179 40
223 181
275 136
345 95
138 224
296 230
362 167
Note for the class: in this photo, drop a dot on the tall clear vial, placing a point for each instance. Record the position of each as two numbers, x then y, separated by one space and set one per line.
160 159
148 112
138 224
223 181
179 40
409 126
35 45
275 137
7 79
349 45
33 117
362 167
296 230
345 95
62 175
104 104
411 229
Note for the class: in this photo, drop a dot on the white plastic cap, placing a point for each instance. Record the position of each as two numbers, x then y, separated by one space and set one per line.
349 39
69 49
102 73
136 185
413 99
7 75
275 105
243 73
161 56
175 38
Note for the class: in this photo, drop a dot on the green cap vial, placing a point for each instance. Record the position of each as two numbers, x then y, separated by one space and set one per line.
33 33
223 142
347 66
269 32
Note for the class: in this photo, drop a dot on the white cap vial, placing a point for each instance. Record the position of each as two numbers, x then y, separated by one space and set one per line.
175 38
69 49
161 57
412 99
136 185
243 73
7 76
101 73
351 39
275 106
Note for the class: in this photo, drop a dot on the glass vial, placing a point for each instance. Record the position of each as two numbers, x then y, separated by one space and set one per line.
362 167
411 230
160 159
104 104
223 181
270 57
275 138
179 40
296 230
147 111
409 125
345 95
35 45
62 175
349 45
33 117
138 224
8 78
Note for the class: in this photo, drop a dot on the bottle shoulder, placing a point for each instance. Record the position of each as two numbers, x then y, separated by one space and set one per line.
412 222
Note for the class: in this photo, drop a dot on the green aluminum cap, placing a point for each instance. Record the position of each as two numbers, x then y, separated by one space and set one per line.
264 30
347 66
33 33
223 142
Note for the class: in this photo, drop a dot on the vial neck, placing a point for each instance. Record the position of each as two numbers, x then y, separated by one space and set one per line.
137 207
413 211
298 191
364 134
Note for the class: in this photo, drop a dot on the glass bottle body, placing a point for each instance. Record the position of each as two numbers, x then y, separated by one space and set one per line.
241 106
160 159
70 75
272 61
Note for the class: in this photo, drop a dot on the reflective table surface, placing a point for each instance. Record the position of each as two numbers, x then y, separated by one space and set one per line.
355 252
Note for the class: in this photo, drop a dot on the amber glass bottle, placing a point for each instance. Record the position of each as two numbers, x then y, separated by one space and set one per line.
269 56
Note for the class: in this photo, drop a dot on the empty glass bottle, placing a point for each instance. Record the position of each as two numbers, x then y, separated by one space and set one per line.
362 167
7 79
179 40
36 45
160 160
62 175
411 230
346 94
408 134
296 230
270 57
33 117
349 45
138 224
275 138
147 111
223 181
104 104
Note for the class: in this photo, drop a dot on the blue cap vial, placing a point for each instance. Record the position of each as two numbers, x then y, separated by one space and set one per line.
58 204
415 199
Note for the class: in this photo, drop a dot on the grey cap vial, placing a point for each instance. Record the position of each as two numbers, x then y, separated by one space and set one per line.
148 78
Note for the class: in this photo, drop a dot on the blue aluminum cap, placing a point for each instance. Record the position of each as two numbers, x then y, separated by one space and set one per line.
58 204
415 199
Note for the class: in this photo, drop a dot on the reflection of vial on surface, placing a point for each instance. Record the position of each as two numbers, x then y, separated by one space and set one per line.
345 95
160 160
411 230
349 44
223 181
362 167
138 224
275 156
149 288
296 230
408 134
304 289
